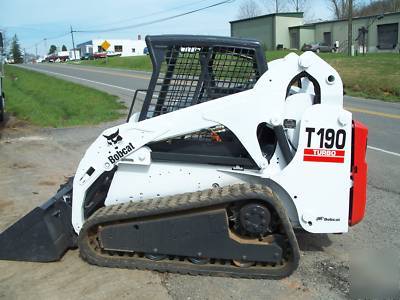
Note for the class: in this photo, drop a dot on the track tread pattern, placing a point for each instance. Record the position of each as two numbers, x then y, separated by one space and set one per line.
183 202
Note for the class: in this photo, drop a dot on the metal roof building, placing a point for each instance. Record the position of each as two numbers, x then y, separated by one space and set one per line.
288 30
271 30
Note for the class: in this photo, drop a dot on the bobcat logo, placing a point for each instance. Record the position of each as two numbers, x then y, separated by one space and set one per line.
113 139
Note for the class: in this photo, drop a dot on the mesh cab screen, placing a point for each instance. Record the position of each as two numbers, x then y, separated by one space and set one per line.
186 74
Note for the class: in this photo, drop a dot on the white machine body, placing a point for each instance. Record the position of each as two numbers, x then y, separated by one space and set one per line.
317 179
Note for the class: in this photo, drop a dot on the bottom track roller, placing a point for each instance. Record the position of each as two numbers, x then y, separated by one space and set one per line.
240 231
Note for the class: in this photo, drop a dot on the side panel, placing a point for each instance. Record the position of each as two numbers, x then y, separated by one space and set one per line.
260 29
318 178
160 179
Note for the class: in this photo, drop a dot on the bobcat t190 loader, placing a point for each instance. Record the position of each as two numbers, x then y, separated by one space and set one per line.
225 159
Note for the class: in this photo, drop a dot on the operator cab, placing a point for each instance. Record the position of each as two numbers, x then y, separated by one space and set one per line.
188 70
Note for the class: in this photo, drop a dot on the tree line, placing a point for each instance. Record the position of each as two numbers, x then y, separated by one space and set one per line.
16 52
339 8
53 49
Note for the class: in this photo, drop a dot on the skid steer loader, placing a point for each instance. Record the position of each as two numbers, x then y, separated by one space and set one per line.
223 162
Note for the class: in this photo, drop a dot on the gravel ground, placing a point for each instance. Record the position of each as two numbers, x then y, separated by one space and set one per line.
34 162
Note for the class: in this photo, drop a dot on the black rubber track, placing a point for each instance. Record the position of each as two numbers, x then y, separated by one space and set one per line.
90 251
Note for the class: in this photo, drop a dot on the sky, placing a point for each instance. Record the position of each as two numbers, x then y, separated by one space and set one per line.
44 22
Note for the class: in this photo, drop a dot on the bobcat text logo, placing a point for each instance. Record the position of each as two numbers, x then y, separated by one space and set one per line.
121 153
113 139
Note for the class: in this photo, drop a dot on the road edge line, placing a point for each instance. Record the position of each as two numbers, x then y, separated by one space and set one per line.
79 78
384 151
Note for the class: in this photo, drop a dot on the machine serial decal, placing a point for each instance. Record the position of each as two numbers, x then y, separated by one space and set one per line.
328 138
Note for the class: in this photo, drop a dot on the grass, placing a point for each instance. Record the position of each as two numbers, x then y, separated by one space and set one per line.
375 75
142 63
50 102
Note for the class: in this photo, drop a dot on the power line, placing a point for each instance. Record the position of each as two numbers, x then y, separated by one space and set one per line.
120 21
73 43
47 39
151 14
139 24
158 20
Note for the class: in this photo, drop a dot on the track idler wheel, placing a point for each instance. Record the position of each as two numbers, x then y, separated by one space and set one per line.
155 257
255 219
198 260
242 263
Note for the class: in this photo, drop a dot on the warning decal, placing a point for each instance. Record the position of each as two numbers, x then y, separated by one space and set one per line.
324 155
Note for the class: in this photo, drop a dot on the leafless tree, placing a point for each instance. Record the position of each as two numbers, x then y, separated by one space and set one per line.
249 9
378 7
340 8
6 41
275 6
298 5
395 5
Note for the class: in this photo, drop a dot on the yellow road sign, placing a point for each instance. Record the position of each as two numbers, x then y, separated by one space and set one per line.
105 45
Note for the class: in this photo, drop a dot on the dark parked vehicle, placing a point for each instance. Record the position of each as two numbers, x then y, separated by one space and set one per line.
317 47
87 56
51 58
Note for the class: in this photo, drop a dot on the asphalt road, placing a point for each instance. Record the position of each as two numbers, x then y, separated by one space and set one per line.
382 118
35 161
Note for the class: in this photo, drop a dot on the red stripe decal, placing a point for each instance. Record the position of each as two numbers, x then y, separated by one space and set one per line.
333 159
323 152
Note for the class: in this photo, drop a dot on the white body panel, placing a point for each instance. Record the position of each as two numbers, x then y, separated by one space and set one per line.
63 53
162 179
319 191
74 54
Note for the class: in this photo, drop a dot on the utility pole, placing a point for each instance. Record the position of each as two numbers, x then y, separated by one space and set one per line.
36 57
24 56
276 6
73 43
350 29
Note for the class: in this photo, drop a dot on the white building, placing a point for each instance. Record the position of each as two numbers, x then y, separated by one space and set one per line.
123 47
76 55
